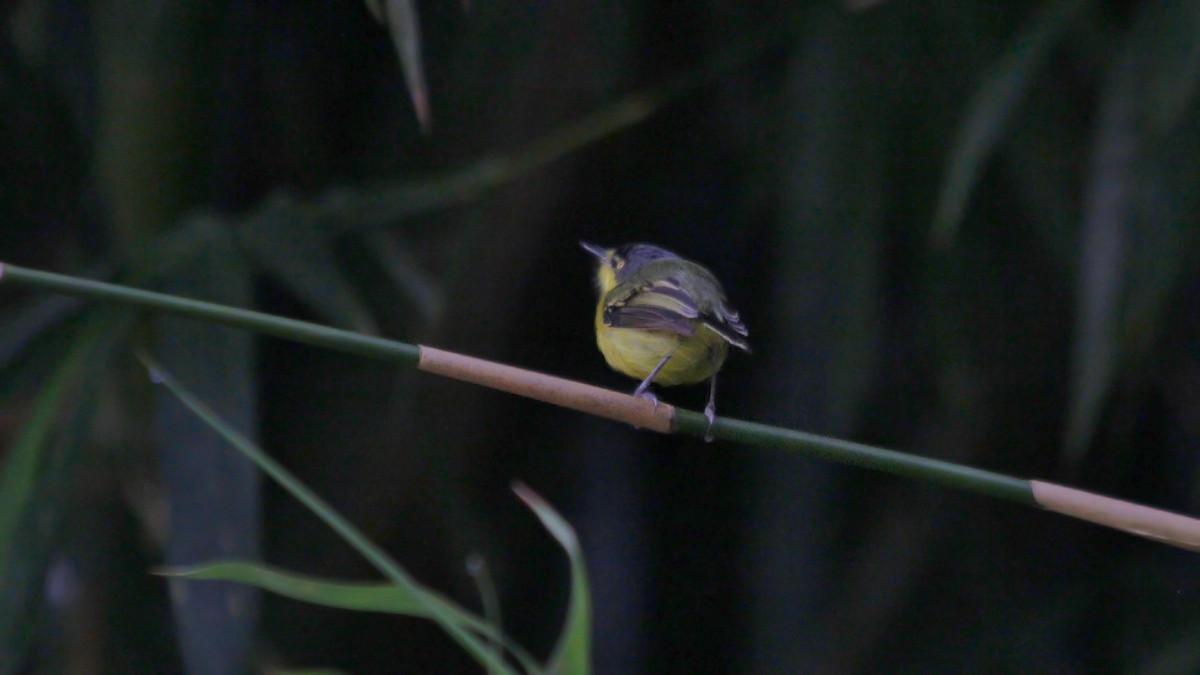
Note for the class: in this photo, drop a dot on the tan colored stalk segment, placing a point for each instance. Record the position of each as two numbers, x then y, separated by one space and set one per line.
566 393
1164 526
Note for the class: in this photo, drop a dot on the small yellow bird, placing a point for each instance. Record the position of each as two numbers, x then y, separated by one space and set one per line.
663 319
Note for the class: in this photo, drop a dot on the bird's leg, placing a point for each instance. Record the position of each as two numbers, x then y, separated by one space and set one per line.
710 410
641 390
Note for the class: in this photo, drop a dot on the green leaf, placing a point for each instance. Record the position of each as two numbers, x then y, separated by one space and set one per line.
38 477
1001 94
351 534
357 596
478 569
573 652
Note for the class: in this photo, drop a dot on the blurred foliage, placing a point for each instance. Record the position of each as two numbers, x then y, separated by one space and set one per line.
482 638
964 229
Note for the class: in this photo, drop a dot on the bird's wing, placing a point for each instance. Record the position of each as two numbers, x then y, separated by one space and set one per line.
659 304
725 321
669 303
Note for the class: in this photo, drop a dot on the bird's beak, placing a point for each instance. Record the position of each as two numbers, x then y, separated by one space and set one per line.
598 251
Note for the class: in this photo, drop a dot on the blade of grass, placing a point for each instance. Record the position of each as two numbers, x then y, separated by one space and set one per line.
351 534
572 653
358 596
405 28
477 568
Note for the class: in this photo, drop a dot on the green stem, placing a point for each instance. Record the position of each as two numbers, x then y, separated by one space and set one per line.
937 471
1144 521
267 324
687 421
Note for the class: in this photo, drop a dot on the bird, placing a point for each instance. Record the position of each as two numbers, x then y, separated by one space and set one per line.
663 319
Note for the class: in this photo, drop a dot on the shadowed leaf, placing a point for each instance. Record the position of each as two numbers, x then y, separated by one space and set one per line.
375 7
1102 257
405 26
295 247
37 480
573 652
407 274
1168 40
1136 233
988 115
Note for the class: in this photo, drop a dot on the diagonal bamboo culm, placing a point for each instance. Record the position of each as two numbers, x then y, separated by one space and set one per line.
1170 528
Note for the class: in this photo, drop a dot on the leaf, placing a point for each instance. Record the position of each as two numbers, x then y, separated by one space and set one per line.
1168 39
30 324
478 569
39 320
573 652
1164 237
39 471
1039 159
325 512
998 98
1103 256
375 7
406 273
296 248
1136 236
405 26
357 596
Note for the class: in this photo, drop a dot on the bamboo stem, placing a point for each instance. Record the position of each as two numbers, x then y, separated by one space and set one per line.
566 393
1144 521
267 324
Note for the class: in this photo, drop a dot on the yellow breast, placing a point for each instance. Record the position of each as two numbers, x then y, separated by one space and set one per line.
636 352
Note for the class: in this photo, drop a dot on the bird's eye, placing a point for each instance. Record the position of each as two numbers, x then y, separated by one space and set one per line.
618 263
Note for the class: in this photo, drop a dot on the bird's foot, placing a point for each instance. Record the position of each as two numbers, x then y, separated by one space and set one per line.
710 413
648 395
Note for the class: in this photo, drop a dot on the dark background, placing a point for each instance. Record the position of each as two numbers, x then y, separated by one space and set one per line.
965 230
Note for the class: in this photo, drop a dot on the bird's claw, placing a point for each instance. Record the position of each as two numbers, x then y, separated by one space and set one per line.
649 396
710 413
